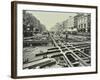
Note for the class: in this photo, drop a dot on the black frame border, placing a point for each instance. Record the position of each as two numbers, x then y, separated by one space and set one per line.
14 38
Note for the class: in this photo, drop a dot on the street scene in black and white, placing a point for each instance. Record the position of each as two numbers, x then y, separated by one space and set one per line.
56 39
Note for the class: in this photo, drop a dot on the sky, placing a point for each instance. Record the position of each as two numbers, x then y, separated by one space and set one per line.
49 19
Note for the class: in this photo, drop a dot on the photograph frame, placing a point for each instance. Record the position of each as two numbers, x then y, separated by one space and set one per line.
14 38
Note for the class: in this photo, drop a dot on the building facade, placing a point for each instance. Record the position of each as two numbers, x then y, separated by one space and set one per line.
82 22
